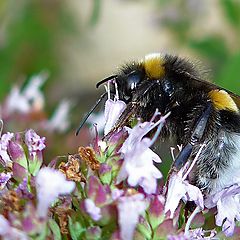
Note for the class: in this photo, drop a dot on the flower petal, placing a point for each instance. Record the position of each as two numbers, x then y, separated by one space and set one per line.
50 184
129 210
113 110
92 209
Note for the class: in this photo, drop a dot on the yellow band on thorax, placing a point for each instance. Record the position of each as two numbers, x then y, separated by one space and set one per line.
154 65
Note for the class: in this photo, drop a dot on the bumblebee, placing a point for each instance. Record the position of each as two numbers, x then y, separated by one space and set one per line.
200 113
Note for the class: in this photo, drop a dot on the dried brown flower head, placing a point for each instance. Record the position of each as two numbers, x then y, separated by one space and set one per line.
88 155
71 169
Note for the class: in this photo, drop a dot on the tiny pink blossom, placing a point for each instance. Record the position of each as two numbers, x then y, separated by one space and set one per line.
34 142
113 110
129 210
50 184
92 209
8 232
4 177
4 142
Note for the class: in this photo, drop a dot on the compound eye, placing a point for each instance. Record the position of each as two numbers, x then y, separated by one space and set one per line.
133 80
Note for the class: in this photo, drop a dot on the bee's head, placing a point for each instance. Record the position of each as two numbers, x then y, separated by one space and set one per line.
134 78
143 82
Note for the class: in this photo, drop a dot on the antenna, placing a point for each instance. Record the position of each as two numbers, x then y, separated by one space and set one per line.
89 113
105 80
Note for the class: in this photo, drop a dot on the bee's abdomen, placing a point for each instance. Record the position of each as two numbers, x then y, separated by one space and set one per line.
219 163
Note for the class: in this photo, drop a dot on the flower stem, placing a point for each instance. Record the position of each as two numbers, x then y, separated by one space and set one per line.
189 221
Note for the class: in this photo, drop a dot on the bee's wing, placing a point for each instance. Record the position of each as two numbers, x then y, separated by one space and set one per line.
212 86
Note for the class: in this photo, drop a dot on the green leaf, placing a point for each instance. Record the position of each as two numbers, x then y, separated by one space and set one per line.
76 230
23 162
94 233
145 230
156 221
55 229
106 178
34 165
43 234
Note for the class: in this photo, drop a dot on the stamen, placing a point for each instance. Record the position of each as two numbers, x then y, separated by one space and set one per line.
116 97
190 219
107 88
172 153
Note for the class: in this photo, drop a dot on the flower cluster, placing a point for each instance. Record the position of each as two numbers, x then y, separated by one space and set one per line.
112 189
26 105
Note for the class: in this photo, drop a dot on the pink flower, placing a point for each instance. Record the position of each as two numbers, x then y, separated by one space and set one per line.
35 146
129 210
138 165
50 184
113 110
228 206
92 209
200 233
8 232
34 142
156 211
179 188
20 164
4 142
4 177
96 191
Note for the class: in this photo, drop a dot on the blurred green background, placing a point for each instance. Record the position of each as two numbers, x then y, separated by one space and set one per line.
79 42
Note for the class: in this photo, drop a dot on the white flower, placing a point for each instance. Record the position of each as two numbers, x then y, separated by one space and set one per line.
116 193
60 120
29 99
129 210
4 141
92 209
228 206
113 110
50 184
16 102
178 189
138 164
